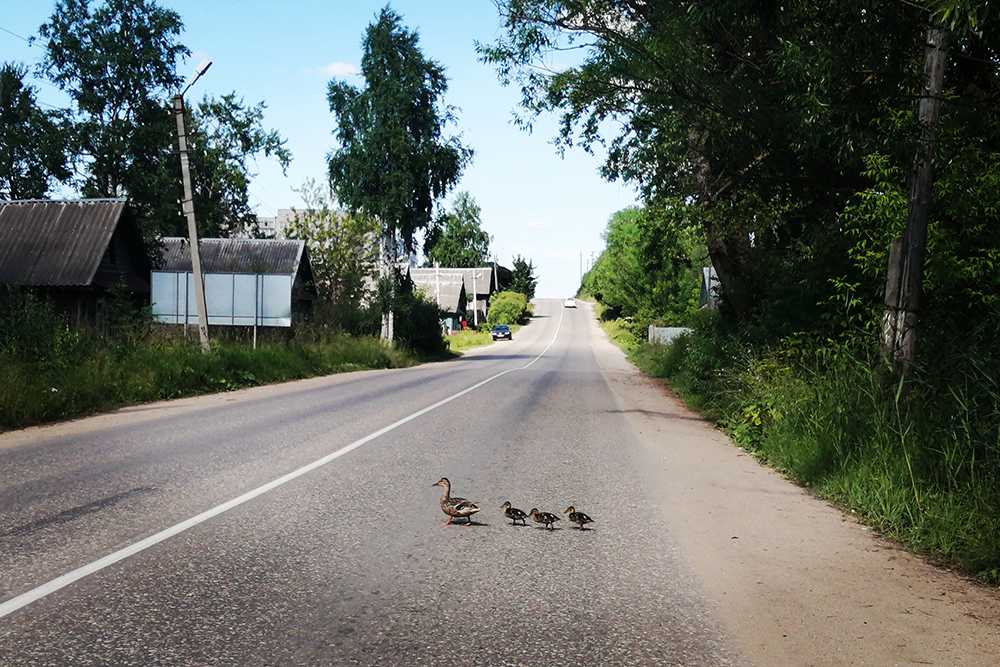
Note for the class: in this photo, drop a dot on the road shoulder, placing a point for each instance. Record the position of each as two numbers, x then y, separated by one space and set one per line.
797 582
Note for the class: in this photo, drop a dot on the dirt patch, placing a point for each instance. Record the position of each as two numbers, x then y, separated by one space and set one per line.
797 582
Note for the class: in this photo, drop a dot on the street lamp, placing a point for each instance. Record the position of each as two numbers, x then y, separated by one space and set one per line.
188 207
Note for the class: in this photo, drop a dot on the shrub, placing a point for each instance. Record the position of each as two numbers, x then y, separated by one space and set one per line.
508 308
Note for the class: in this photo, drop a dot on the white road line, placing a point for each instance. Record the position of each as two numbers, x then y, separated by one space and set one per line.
12 605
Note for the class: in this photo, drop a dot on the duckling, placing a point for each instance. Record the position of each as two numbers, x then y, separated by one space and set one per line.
578 517
514 514
543 517
455 507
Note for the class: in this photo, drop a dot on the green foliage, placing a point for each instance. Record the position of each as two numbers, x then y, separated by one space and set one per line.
508 308
392 162
31 330
226 136
522 278
923 471
761 116
33 142
164 366
650 270
117 63
470 338
418 323
456 238
342 253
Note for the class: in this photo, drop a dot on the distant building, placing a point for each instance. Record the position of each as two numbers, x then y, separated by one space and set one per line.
480 284
446 288
73 252
248 282
274 227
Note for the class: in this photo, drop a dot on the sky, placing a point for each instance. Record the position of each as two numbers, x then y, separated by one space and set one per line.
548 209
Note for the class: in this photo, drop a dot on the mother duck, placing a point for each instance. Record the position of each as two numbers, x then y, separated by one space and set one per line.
455 507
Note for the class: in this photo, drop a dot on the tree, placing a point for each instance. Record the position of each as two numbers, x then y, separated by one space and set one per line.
508 308
226 136
340 245
523 280
393 163
650 269
721 102
33 142
456 239
117 62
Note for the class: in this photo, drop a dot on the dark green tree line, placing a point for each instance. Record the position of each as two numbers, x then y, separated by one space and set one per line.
766 116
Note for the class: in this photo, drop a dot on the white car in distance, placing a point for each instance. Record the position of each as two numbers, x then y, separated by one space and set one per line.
569 303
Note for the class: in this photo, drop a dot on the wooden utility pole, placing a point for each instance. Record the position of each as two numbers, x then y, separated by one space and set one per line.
903 290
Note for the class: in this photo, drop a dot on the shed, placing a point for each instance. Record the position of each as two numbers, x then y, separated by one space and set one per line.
248 282
73 252
480 286
446 288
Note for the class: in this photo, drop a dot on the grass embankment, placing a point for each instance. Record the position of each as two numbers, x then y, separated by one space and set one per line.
85 374
924 471
468 339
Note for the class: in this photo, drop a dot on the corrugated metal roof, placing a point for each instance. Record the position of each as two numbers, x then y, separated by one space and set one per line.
483 279
443 286
55 243
263 256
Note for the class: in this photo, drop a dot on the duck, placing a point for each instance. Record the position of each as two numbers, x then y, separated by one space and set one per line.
543 517
578 517
455 507
514 514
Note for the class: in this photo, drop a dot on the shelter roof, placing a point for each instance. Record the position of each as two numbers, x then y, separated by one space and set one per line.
481 277
263 256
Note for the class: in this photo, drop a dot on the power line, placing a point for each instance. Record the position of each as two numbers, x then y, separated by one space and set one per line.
31 41
253 179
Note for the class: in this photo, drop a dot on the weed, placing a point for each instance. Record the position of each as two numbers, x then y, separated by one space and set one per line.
922 470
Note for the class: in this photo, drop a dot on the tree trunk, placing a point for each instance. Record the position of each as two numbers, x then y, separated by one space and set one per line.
903 290
387 274
728 251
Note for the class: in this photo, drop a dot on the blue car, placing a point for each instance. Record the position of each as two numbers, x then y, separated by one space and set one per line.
502 331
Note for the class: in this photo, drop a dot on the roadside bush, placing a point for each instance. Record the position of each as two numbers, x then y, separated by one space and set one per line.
418 324
508 308
922 470
166 365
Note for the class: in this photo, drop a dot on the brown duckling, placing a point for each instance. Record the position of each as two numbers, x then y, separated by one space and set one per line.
514 514
578 518
543 517
455 507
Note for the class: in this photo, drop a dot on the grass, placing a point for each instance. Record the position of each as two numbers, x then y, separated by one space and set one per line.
89 376
468 339
922 471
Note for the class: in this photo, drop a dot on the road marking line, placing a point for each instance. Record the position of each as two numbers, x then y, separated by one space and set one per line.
12 605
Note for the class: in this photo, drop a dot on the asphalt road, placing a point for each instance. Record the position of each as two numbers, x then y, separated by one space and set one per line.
298 525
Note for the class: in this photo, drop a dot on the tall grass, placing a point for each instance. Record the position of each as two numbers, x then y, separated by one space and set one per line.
924 470
49 372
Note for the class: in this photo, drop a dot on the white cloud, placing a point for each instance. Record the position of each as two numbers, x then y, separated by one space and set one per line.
338 69
535 224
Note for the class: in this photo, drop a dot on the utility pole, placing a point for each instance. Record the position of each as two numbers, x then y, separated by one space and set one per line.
188 207
903 290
